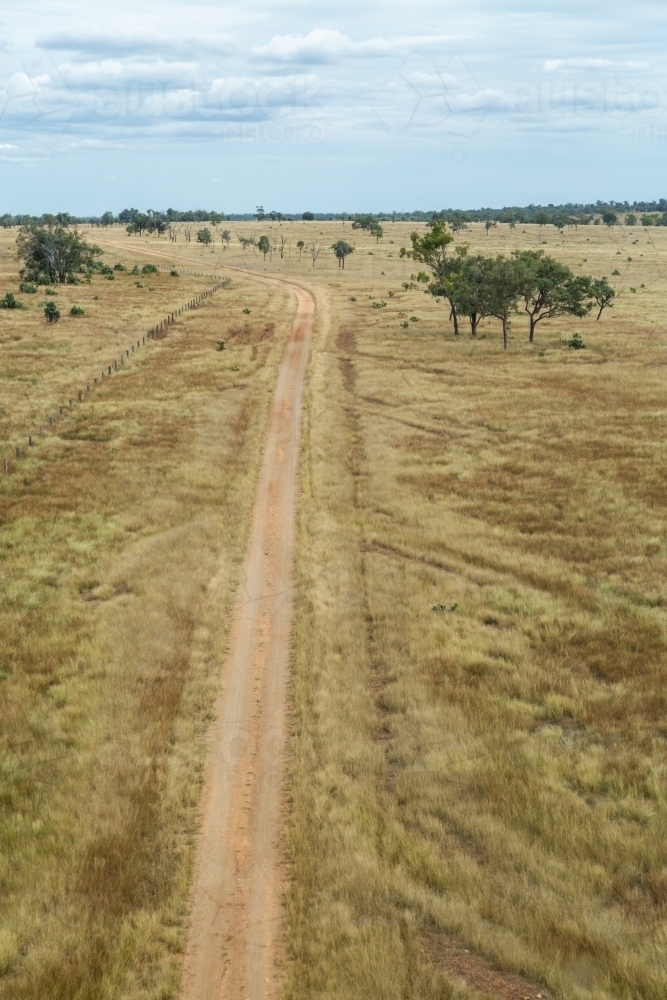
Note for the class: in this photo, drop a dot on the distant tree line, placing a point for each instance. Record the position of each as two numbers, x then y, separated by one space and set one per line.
648 212
476 286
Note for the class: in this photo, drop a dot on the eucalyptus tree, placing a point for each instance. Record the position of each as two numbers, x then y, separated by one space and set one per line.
549 288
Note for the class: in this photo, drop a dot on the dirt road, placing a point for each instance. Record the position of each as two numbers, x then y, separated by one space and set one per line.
235 930
236 904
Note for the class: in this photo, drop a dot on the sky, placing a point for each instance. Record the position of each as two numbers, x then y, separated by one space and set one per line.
302 105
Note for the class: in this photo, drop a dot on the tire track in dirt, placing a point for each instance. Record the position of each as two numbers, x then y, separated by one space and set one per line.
235 934
236 926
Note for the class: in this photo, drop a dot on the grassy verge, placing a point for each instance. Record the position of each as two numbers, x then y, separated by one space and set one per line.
479 665
121 537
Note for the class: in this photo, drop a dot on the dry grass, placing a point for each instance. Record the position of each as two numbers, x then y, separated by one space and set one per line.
477 794
121 538
490 776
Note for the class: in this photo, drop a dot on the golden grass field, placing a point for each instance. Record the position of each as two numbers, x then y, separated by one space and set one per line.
477 793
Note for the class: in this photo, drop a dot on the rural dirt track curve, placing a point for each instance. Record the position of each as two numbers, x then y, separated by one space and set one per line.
235 933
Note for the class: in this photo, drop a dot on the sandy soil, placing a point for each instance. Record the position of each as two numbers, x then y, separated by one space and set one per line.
235 930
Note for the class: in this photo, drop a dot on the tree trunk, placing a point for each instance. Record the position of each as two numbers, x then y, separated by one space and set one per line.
504 333
474 320
533 322
456 322
600 313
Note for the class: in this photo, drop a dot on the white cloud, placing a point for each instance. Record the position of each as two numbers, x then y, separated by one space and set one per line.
326 45
7 145
556 65
115 43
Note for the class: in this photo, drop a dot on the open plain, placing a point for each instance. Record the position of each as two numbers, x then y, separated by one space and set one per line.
475 791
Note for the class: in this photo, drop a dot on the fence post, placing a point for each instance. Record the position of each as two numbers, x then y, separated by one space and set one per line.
6 464
18 452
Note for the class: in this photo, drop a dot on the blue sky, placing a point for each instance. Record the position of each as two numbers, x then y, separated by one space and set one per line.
298 104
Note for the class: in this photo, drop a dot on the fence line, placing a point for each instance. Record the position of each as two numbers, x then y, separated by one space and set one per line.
157 332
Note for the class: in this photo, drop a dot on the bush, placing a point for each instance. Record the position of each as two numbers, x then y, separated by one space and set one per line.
51 312
76 311
135 270
9 302
50 291
150 269
173 272
27 288
204 236
119 267
576 342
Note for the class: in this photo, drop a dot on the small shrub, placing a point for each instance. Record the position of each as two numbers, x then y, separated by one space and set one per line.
615 272
138 284
119 267
576 342
173 273
110 277
27 288
414 319
135 270
219 345
9 302
150 269
50 291
246 311
51 312
379 305
405 324
76 311
633 290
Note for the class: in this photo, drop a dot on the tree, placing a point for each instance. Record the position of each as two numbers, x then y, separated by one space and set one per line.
300 246
549 288
365 222
53 254
264 245
188 233
259 213
204 236
542 219
470 288
377 231
107 219
560 222
431 249
503 291
225 236
315 249
603 294
610 219
489 224
458 221
247 241
631 219
307 216
139 223
342 250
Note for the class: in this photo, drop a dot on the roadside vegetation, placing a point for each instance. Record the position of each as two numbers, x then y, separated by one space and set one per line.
122 531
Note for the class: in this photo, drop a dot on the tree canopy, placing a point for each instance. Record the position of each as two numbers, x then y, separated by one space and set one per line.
53 254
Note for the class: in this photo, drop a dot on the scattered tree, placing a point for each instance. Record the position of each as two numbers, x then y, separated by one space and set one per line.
610 219
300 246
315 249
264 245
307 216
342 250
503 291
53 254
603 294
549 288
107 219
204 236
631 219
